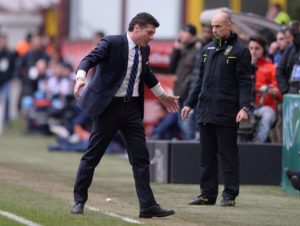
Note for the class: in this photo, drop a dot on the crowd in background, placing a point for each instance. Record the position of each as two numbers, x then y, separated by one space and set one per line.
36 83
274 74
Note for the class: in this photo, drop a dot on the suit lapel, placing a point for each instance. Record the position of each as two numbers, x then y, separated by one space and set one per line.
143 60
125 50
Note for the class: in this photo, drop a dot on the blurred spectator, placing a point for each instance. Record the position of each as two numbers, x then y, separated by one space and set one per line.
272 50
6 61
206 35
21 49
288 31
42 68
282 43
288 70
27 71
6 73
48 43
182 64
167 127
26 67
75 135
59 89
266 90
61 83
24 46
277 14
56 54
205 38
98 36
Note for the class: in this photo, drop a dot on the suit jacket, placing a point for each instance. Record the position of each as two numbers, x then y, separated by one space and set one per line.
111 59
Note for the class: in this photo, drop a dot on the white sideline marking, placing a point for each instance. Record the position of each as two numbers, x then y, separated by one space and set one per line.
18 218
127 219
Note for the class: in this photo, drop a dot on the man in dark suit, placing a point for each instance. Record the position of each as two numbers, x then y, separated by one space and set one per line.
115 100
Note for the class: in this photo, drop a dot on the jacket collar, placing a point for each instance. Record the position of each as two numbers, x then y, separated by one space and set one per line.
125 48
222 42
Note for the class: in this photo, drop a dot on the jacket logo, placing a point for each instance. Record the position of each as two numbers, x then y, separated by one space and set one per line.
228 50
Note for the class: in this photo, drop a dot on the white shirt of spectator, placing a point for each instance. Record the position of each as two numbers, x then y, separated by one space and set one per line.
4 64
62 86
33 73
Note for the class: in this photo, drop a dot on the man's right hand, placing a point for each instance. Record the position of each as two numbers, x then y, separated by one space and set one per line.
78 85
185 112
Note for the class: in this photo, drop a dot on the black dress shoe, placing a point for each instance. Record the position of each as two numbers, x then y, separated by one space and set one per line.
155 211
289 173
77 208
228 202
296 182
203 200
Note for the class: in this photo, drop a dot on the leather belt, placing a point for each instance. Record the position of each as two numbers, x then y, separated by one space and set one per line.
125 99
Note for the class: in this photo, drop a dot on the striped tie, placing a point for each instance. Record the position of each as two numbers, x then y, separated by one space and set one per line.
133 72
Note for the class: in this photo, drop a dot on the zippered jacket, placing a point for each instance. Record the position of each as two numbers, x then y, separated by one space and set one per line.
224 83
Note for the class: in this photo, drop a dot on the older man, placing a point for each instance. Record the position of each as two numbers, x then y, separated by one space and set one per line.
223 94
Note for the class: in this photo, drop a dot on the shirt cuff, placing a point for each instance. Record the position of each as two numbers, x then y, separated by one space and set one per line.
80 74
158 90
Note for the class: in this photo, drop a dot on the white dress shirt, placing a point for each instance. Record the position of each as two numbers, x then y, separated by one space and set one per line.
157 90
123 89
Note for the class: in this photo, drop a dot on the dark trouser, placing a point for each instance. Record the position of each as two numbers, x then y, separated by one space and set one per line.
127 118
219 140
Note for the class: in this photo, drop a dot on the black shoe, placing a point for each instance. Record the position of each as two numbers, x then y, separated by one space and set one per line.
155 211
228 202
203 200
295 182
289 173
77 208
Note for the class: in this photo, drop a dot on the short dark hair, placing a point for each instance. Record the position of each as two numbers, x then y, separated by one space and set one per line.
190 28
143 19
261 41
294 27
100 34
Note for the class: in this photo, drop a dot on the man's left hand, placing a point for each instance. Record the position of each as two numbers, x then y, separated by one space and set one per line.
170 102
242 116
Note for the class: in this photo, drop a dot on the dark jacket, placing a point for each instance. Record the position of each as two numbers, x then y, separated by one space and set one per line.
7 63
23 67
182 64
284 70
224 83
111 58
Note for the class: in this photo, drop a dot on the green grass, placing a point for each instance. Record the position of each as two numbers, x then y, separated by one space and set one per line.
7 222
44 209
37 185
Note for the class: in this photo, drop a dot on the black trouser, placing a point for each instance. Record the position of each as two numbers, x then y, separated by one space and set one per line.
219 140
126 117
